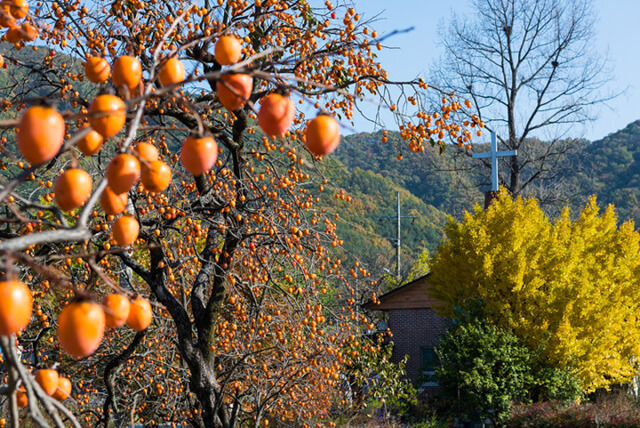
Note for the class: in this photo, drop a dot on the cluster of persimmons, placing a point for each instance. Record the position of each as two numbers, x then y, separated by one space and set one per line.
184 173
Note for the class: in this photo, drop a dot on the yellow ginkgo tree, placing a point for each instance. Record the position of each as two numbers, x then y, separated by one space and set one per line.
570 287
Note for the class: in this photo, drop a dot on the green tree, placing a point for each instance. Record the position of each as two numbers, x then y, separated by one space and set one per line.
420 267
571 286
484 369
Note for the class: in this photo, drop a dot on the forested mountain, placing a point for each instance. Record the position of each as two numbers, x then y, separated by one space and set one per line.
364 176
365 202
434 185
370 172
611 170
442 180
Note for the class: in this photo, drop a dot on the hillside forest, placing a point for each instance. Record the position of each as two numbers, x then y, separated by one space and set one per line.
433 186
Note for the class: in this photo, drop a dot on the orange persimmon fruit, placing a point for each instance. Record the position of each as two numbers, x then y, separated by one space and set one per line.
64 389
276 114
156 176
147 152
113 203
81 328
41 134
116 309
198 154
21 397
107 115
125 230
17 8
91 143
13 35
127 71
171 72
322 135
48 380
28 32
140 315
228 50
16 305
97 69
72 188
234 90
6 18
123 172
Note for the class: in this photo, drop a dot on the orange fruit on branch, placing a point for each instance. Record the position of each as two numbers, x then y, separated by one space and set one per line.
97 69
127 71
156 176
13 34
276 114
48 380
234 90
147 151
123 172
113 203
64 389
322 135
17 8
29 32
6 19
72 188
41 134
228 50
80 328
107 115
91 143
116 309
198 154
16 303
171 72
125 230
140 315
21 397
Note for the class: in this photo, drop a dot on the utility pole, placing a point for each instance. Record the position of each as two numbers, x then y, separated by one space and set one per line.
398 218
398 240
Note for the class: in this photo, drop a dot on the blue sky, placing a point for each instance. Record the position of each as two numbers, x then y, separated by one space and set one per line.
617 33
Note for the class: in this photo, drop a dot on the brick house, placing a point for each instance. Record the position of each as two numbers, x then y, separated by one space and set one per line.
414 324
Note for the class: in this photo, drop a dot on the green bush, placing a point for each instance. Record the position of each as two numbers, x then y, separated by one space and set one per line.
552 384
483 369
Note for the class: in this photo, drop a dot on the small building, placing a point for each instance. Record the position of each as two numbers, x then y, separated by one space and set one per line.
415 326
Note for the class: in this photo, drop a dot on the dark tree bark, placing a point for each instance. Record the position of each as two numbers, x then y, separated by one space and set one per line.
530 71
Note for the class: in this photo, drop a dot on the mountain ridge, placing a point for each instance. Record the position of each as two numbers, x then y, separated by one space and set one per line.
448 184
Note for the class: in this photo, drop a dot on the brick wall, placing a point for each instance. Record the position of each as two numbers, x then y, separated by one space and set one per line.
414 329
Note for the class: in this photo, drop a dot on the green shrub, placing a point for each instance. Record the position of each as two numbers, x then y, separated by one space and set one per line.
483 369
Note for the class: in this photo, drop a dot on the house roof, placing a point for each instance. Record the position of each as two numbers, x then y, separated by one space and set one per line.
412 295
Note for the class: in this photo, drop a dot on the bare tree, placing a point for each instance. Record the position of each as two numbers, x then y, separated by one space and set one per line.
529 69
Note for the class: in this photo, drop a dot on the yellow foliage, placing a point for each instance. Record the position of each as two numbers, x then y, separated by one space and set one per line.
571 285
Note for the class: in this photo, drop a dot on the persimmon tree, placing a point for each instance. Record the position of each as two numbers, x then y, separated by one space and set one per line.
157 173
569 287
